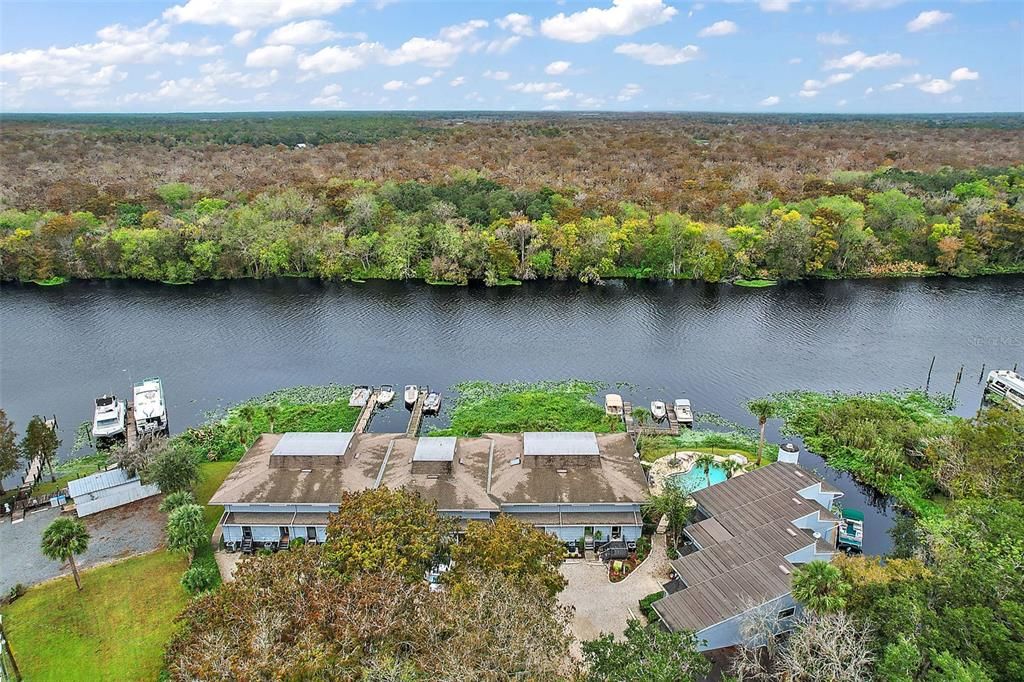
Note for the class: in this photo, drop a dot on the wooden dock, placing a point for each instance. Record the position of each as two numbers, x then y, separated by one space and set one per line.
131 433
416 418
667 427
365 414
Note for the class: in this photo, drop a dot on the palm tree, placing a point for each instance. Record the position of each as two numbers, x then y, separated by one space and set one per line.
731 466
247 414
704 462
186 530
272 411
764 409
820 587
672 502
63 539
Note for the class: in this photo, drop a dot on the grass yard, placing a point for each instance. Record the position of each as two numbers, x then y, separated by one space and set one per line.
69 471
212 475
114 629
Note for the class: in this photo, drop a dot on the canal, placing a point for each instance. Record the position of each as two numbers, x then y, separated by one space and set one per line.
216 343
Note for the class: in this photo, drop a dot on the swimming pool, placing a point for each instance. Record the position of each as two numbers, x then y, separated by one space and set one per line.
695 479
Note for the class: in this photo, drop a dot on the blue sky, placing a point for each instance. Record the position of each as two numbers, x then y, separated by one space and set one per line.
626 55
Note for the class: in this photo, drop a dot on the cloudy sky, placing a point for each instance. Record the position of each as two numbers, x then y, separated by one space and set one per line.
756 55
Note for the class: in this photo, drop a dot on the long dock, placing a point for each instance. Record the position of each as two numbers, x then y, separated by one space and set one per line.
667 427
365 414
416 418
131 432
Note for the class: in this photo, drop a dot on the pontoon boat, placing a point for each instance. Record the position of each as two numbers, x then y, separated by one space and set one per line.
613 405
432 405
684 413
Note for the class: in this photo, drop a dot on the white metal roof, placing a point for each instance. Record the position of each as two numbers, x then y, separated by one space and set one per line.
434 450
320 443
560 443
99 481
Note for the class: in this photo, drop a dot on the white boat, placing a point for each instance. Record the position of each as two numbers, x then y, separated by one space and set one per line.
385 394
658 410
412 393
360 394
150 410
1005 386
684 413
432 405
108 418
613 405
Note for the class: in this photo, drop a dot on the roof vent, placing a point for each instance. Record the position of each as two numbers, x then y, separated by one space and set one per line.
430 476
783 569
791 532
799 473
515 461
797 500
306 471
562 471
816 535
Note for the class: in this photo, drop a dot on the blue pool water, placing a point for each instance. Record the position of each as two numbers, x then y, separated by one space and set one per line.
695 478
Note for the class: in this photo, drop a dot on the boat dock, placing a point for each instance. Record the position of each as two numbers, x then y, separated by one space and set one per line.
416 418
131 434
366 413
35 468
667 427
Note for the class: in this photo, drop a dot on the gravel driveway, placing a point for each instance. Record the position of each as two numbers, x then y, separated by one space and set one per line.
601 606
115 533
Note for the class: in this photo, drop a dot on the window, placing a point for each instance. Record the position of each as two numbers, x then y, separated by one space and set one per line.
787 613
616 532
311 533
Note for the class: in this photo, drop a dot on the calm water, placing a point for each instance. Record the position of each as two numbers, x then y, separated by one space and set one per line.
219 342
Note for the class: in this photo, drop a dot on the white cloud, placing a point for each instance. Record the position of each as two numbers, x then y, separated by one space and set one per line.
270 55
557 68
466 29
336 59
250 13
332 89
242 38
535 88
719 28
328 102
424 80
624 17
776 5
868 91
858 61
497 75
302 33
833 38
936 86
394 85
841 103
628 92
892 87
866 5
558 95
795 60
926 20
657 54
964 74
808 93
520 24
503 45
770 101
457 81
423 50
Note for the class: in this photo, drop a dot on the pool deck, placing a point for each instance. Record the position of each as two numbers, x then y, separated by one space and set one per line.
682 462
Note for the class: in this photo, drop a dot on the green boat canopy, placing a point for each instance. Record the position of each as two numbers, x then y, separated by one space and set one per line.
853 514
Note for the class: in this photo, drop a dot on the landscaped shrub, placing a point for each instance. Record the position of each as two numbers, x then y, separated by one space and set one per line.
643 548
200 577
647 609
297 542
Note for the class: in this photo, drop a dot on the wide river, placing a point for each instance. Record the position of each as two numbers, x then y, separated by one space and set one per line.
216 343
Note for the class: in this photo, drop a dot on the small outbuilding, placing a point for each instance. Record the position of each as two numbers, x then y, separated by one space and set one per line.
106 490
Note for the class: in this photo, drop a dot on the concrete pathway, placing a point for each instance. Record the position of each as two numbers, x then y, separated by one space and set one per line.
601 606
227 562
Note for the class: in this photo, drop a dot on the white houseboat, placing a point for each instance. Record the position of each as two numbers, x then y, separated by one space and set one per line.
108 418
1005 386
149 407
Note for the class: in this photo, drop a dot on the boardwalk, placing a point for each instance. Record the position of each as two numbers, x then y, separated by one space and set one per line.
365 414
666 427
131 434
416 418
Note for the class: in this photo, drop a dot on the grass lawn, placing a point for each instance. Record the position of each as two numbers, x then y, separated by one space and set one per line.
117 626
755 283
69 471
114 629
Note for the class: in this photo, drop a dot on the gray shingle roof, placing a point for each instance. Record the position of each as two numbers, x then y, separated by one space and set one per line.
310 444
560 443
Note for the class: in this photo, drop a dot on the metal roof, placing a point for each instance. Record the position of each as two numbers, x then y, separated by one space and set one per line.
434 450
560 443
311 444
95 482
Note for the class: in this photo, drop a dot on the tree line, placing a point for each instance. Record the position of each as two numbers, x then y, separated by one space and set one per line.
471 228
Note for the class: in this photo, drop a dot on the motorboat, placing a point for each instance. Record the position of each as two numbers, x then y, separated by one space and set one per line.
108 418
412 394
360 394
432 405
851 531
613 405
1006 387
150 409
385 394
684 412
658 410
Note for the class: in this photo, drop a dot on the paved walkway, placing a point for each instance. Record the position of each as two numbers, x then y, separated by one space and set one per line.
114 534
601 606
227 562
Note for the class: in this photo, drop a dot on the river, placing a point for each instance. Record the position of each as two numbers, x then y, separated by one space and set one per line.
216 343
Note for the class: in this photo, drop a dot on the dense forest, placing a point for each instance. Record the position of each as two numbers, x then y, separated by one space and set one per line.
501 198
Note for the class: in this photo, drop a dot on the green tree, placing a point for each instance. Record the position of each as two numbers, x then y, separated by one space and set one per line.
176 499
10 453
384 529
705 462
511 547
820 587
63 539
40 440
673 502
764 409
186 529
246 416
173 469
644 653
272 413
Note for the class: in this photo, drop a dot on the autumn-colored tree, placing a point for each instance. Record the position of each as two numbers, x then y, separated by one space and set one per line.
40 440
